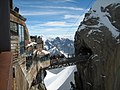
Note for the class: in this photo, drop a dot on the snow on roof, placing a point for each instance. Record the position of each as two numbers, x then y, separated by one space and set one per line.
55 81
45 52
31 44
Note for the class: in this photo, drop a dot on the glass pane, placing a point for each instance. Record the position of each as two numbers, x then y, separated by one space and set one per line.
21 38
13 28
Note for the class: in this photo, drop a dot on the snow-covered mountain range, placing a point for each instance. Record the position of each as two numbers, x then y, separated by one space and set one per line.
59 46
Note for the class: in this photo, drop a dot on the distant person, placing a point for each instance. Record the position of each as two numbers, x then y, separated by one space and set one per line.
72 86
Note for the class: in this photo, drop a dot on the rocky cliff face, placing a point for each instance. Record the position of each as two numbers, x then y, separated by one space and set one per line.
100 33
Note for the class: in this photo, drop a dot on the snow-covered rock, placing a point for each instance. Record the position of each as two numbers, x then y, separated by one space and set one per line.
100 33
32 44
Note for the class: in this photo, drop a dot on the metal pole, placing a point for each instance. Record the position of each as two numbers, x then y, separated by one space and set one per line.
4 26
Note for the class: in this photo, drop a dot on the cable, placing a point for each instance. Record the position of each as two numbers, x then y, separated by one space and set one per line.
80 15
66 34
71 27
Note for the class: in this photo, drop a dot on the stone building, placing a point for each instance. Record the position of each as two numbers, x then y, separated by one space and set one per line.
38 40
13 72
19 37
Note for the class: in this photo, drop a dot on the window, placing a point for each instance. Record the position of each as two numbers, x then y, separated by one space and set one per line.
13 72
21 38
14 28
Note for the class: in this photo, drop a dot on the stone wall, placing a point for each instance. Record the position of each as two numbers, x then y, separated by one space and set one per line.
19 81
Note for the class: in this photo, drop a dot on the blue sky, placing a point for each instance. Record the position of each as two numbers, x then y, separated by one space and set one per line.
52 18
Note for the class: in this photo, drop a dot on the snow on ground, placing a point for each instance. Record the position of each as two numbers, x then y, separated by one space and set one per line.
61 80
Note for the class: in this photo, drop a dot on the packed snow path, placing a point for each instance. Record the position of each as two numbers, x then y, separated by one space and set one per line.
61 80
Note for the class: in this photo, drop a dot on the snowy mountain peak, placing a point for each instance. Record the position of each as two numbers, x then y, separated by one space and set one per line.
103 14
54 51
60 46
104 3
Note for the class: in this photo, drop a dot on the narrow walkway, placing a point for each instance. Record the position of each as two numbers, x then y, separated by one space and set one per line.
68 61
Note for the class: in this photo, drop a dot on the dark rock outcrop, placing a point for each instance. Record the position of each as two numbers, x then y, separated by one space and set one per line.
100 32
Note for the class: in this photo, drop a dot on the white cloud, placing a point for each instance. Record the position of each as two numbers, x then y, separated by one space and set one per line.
71 16
61 29
54 32
46 29
57 28
56 23
53 29
63 0
32 13
77 19
57 7
32 21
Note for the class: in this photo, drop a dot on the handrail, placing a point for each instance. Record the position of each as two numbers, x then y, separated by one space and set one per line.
75 60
